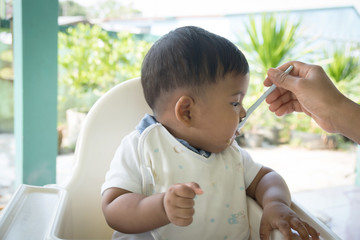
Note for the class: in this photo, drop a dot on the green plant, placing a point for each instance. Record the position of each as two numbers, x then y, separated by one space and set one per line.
6 86
6 106
344 69
91 62
271 42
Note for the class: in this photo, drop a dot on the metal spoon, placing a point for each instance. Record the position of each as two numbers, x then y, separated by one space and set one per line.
260 100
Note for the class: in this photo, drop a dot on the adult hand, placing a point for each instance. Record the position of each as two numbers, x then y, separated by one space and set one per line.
306 89
179 203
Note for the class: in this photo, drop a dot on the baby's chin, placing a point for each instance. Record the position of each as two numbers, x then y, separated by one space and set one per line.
221 146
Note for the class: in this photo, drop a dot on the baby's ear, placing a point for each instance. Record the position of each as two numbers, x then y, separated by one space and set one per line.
183 110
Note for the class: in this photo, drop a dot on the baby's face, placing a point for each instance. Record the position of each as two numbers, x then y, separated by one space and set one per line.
221 110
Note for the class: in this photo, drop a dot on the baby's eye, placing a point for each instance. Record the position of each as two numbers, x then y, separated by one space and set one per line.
235 104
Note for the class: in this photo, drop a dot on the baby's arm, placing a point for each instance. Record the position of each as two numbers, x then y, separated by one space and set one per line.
129 212
271 192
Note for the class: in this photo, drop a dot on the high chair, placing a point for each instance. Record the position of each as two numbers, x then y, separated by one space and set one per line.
73 210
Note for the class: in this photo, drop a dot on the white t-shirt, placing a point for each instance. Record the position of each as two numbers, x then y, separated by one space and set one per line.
150 162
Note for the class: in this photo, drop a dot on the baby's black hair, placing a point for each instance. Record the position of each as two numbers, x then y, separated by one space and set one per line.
188 57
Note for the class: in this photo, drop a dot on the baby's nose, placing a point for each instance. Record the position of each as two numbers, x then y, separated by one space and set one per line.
242 114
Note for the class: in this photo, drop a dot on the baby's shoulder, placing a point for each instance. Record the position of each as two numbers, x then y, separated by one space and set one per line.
132 139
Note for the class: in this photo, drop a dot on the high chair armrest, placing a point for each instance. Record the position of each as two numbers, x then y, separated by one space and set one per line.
325 232
31 212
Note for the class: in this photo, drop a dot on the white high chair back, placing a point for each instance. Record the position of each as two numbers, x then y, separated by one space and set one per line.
73 211
115 115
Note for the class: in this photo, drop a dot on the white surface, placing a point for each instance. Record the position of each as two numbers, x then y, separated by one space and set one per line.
30 213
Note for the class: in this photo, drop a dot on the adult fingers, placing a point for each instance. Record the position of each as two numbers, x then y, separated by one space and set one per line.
283 104
277 100
282 79
300 69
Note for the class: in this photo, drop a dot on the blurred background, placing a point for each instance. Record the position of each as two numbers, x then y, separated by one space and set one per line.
101 43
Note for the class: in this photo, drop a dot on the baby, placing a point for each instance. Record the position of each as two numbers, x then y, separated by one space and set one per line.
180 174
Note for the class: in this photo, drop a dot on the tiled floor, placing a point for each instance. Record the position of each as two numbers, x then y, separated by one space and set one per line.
321 181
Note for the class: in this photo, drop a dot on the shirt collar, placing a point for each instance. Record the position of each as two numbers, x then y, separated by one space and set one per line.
149 120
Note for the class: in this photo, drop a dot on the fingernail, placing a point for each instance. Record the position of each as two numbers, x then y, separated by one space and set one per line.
199 191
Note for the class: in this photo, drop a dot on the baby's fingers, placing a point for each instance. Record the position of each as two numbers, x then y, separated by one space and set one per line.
285 229
298 226
179 203
182 217
195 187
304 230
265 230
186 190
181 190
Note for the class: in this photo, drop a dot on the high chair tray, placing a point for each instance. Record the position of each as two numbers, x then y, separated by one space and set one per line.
30 212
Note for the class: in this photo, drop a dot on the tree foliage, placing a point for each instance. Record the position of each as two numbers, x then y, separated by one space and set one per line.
91 62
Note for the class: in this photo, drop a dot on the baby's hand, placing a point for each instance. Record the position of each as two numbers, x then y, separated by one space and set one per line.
179 203
277 215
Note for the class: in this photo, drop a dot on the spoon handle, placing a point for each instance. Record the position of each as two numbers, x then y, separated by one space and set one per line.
261 99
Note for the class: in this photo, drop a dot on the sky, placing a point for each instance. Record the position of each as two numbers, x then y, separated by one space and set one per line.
162 8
